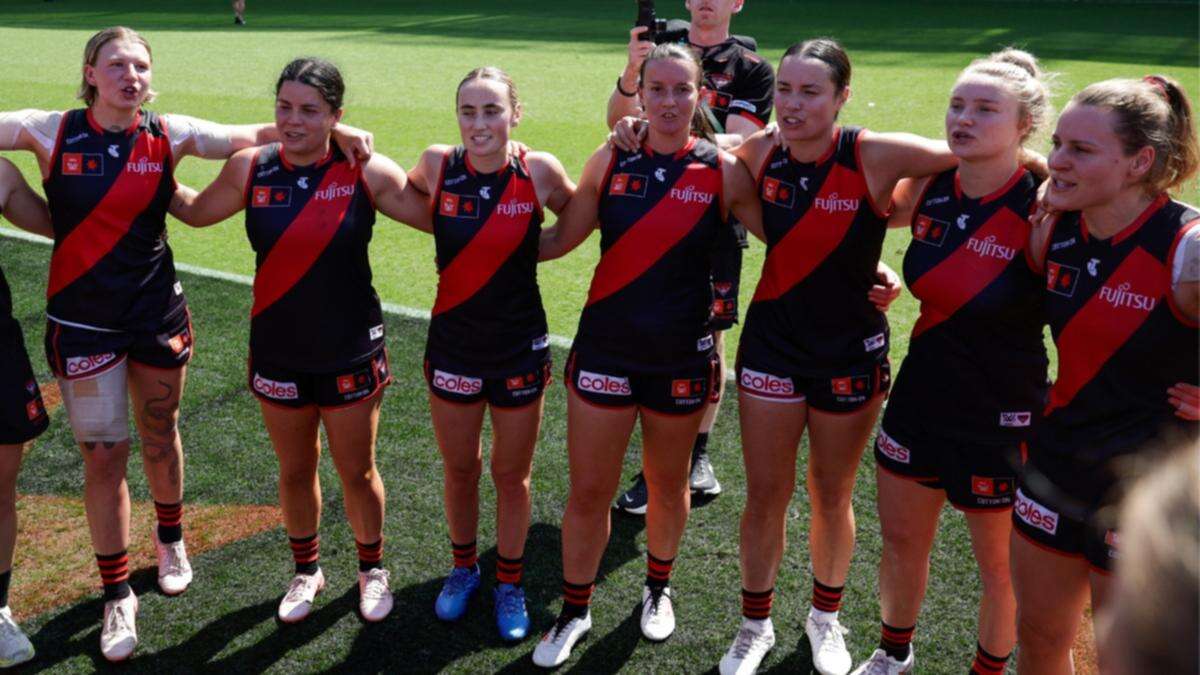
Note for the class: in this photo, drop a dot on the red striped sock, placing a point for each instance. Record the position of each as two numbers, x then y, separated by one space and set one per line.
658 571
464 554
509 570
306 551
896 641
826 598
577 598
757 604
170 521
370 556
986 664
114 574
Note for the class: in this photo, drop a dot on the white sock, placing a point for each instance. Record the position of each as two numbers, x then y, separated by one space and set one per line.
822 617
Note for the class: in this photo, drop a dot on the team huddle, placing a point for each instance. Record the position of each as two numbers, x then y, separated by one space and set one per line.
1004 242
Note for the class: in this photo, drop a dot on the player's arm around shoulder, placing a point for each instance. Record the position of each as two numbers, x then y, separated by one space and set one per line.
550 180
20 204
394 194
580 216
888 157
191 136
741 194
427 174
33 130
225 196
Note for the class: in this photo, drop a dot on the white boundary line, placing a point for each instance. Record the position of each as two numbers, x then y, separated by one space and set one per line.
242 279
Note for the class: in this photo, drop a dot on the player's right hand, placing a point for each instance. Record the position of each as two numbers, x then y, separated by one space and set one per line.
638 49
627 133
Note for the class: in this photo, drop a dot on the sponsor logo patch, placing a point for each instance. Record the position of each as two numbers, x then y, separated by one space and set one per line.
690 194
743 105
1035 515
599 383
82 365
457 384
514 207
82 164
283 391
628 185
982 486
1016 419
766 383
704 343
458 206
376 332
33 409
778 192
687 388
891 449
929 231
875 342
143 166
836 204
267 196
1112 539
334 191
1061 279
988 248
1125 296
540 343
1060 245
857 385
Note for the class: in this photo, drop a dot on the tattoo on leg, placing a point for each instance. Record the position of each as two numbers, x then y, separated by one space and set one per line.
157 416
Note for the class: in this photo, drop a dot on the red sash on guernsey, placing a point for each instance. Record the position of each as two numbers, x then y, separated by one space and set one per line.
817 234
655 233
1104 324
947 279
110 220
305 239
478 261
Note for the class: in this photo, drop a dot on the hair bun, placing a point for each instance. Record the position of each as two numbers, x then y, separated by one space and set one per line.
1019 58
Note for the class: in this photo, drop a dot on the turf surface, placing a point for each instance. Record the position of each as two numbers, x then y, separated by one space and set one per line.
402 60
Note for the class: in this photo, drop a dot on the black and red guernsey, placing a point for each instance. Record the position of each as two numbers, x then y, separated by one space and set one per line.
8 324
108 194
650 297
315 309
485 227
810 314
1121 339
976 362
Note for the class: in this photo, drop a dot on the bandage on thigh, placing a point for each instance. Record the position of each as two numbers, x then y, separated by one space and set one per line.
98 406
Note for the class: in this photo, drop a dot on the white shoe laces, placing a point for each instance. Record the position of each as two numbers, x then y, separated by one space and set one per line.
376 585
657 608
298 589
831 633
748 640
878 665
560 630
175 559
9 628
116 622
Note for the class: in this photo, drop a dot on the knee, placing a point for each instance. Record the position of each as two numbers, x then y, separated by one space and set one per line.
996 577
1037 637
300 476
463 473
589 498
359 478
510 481
769 497
830 501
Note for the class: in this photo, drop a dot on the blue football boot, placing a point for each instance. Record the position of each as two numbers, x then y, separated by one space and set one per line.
456 593
511 618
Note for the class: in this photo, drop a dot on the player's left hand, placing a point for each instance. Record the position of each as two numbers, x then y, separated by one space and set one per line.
356 144
628 133
883 294
1043 214
1185 398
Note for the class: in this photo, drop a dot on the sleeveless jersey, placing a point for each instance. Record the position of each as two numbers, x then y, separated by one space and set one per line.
651 294
1121 340
314 308
7 322
108 194
810 314
976 361
486 227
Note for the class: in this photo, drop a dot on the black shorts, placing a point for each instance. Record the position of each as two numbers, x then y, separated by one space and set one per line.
23 415
727 279
974 476
844 392
74 352
337 389
1039 517
603 382
521 383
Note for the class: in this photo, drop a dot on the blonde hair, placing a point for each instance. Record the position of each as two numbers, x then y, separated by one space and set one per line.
1152 112
1021 76
91 52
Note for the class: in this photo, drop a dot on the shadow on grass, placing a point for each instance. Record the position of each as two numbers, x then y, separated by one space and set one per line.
1099 32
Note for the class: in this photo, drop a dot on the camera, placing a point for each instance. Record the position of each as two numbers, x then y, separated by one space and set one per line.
659 30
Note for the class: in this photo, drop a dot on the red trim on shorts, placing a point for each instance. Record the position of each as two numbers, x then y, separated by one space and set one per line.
662 413
1099 570
1046 547
769 398
514 408
276 404
983 509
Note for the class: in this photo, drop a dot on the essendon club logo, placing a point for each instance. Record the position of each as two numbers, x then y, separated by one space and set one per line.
778 192
1061 279
458 206
628 185
929 231
858 385
1016 419
266 196
179 343
982 486
347 384
687 388
82 164
518 382
34 410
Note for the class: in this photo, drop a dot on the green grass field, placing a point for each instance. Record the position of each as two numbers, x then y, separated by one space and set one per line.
402 60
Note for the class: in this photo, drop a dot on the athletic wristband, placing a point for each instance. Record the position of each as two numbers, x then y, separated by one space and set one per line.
626 94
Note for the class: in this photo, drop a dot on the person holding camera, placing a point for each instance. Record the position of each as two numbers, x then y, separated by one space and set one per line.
736 95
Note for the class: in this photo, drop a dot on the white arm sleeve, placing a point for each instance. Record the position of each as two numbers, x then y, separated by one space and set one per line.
42 125
1185 268
207 138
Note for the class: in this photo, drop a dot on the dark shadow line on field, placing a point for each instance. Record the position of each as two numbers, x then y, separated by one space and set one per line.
1053 32
799 660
